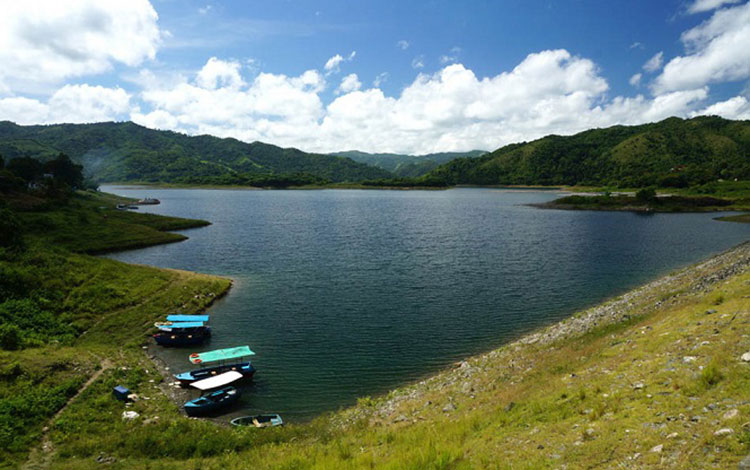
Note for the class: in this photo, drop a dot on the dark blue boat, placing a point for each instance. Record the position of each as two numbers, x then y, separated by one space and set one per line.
212 402
186 378
183 334
224 360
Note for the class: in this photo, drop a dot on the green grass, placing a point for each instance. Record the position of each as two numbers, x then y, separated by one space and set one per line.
599 398
590 400
70 311
742 218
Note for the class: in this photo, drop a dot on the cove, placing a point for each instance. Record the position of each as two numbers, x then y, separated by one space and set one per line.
348 293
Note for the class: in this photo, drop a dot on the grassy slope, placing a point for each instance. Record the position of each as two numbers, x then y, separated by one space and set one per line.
112 302
567 395
602 389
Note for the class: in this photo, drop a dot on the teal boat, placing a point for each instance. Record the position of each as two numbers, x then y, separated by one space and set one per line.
181 318
217 362
216 400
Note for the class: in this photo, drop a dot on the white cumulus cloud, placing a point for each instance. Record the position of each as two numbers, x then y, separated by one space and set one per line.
349 84
219 73
737 107
717 51
453 109
45 41
654 63
699 6
635 80
333 65
71 103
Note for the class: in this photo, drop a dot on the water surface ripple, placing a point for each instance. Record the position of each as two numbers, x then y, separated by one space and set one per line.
351 293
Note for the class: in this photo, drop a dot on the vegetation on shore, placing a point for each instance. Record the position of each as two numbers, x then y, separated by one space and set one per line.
124 151
673 153
726 196
64 313
607 387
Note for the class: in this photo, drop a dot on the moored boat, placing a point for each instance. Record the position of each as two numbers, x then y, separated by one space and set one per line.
222 360
259 421
148 201
182 333
212 402
222 396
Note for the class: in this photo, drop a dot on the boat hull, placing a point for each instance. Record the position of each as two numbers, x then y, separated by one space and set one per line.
186 378
213 402
186 338
258 421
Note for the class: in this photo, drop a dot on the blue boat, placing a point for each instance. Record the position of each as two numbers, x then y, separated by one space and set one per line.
182 333
187 318
222 360
212 401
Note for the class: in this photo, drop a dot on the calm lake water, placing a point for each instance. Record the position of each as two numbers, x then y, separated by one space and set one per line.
344 294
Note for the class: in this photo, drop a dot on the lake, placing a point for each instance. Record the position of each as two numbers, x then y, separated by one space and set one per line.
347 293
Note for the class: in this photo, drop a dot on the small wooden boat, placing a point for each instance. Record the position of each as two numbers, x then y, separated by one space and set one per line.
259 421
212 402
182 334
222 360
148 201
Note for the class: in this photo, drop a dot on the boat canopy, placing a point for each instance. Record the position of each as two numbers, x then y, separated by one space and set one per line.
181 318
221 355
181 324
217 381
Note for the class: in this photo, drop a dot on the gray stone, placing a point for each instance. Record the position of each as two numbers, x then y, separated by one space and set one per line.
449 407
745 464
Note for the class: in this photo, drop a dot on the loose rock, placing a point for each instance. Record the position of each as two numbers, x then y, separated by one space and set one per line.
129 415
724 432
449 407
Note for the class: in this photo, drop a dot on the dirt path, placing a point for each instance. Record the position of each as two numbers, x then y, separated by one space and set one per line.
39 457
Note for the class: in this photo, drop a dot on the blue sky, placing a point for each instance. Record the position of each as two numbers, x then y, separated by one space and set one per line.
413 77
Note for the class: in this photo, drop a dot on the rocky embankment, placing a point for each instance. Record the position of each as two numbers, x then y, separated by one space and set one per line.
663 341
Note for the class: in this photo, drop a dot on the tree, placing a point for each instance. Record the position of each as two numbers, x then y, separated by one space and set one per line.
646 194
26 168
64 170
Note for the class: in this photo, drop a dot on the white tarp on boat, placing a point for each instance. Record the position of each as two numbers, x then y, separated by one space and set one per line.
217 381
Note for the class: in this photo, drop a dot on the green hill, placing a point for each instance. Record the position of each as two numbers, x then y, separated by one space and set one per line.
125 151
407 166
670 153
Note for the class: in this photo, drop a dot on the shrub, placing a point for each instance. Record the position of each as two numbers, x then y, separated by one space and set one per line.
711 375
10 337
646 194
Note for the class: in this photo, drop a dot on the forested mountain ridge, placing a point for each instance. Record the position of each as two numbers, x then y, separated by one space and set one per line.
406 166
125 151
671 153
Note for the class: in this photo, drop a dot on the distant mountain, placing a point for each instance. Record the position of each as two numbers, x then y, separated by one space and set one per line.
125 151
406 166
670 153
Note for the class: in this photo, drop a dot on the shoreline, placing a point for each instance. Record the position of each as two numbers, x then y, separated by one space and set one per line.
617 310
